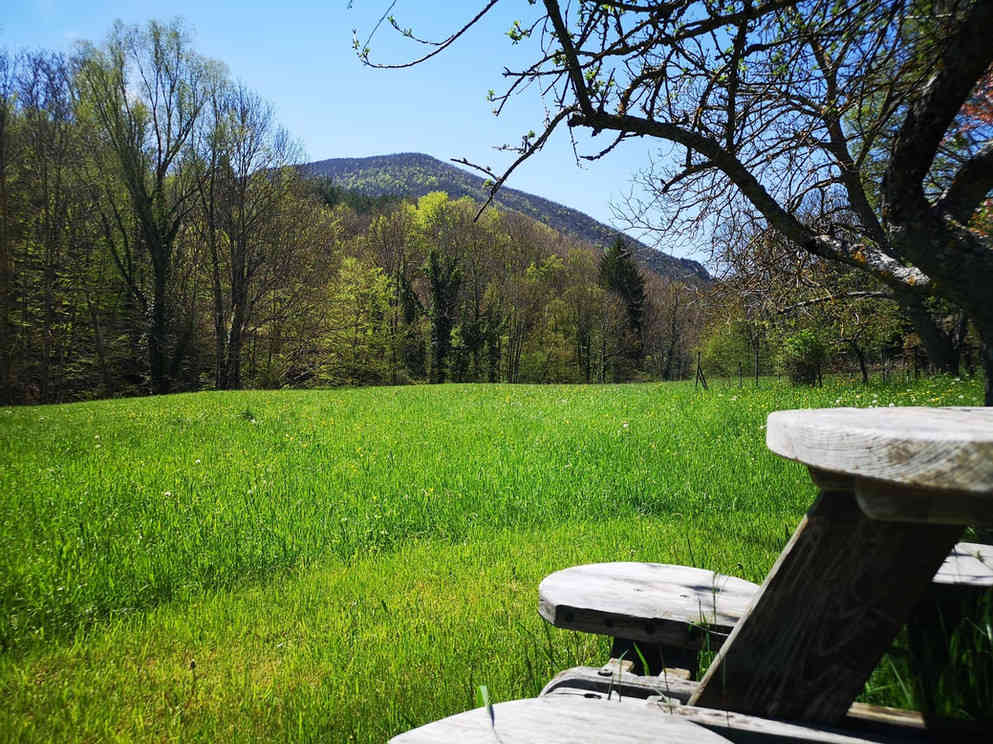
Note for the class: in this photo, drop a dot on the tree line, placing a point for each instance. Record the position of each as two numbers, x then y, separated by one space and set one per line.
156 236
860 133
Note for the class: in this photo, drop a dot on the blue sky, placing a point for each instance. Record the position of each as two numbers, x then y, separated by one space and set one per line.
298 55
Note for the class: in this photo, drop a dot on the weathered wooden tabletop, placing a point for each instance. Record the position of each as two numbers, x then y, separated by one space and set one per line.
947 448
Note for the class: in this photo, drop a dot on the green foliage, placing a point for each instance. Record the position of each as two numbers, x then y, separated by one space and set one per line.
951 660
146 128
412 175
726 348
444 278
619 274
331 195
802 356
268 280
162 240
355 342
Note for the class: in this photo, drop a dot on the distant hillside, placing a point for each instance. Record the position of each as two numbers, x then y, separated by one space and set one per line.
415 174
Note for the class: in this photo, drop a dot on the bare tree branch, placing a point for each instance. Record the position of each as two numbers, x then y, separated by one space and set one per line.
834 298
363 51
969 188
966 56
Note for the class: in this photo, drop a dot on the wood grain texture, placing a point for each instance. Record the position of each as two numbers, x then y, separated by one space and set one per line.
622 685
562 719
890 502
969 564
831 605
950 449
649 602
860 713
651 658
742 728
633 688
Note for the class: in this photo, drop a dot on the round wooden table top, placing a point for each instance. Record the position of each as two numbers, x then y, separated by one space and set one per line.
945 449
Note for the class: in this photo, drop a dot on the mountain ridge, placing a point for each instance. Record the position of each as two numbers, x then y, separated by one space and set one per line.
416 174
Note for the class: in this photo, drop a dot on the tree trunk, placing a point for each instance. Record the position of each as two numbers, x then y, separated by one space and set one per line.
986 355
157 340
860 355
238 311
6 274
671 353
942 351
48 329
101 348
493 353
220 350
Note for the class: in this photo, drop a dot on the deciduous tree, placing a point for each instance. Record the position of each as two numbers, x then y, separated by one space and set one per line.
146 89
777 108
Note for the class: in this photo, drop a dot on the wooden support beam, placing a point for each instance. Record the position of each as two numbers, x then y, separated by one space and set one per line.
828 610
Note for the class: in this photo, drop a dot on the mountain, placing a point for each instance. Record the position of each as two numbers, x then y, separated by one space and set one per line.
416 174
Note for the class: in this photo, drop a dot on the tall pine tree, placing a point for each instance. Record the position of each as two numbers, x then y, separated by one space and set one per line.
619 274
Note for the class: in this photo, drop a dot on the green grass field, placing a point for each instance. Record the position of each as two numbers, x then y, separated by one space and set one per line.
343 565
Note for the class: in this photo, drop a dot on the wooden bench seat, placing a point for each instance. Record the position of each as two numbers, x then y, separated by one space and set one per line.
672 612
968 567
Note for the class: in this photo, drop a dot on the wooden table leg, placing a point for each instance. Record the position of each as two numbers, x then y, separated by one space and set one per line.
830 607
657 656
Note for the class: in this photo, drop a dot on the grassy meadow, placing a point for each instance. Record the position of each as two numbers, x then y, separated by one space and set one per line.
341 565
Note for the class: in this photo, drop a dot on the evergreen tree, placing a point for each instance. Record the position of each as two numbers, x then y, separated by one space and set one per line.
444 278
619 274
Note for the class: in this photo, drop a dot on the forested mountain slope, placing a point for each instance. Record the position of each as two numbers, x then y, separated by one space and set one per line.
416 174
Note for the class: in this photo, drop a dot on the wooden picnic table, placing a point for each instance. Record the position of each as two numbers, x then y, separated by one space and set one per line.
895 489
896 486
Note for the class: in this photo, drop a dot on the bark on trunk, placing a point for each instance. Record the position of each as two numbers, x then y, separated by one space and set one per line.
6 278
860 355
235 343
101 348
6 266
157 339
988 369
220 351
986 355
942 351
